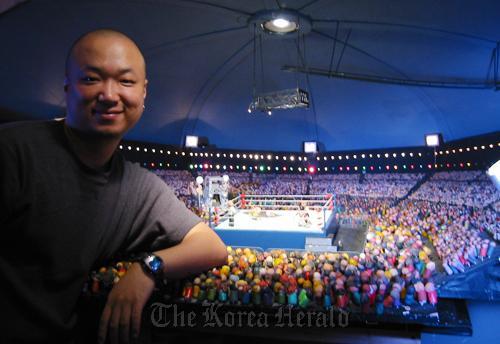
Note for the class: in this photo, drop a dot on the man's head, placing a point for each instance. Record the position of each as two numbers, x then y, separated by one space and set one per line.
105 83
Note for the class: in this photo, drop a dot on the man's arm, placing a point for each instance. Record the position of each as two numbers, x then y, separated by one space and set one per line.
199 250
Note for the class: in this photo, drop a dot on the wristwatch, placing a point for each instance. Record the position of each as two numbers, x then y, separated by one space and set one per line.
152 265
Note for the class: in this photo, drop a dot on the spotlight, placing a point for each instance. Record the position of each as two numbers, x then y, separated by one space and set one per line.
433 140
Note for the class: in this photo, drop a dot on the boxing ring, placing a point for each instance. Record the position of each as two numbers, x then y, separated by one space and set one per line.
271 221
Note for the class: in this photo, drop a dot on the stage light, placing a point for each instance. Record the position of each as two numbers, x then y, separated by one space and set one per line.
311 169
354 156
419 154
190 153
310 147
217 155
269 157
161 164
224 167
482 147
284 158
161 151
394 155
491 145
340 157
291 168
269 113
205 166
292 158
145 149
363 156
168 152
317 158
305 158
176 153
460 150
190 166
261 168
433 140
244 167
324 158
238 156
230 167
224 155
244 156
199 180
276 168
137 149
217 167
386 155
332 157
276 157
300 169
191 141
183 153
121 147
378 155
269 168
403 154
129 148
371 155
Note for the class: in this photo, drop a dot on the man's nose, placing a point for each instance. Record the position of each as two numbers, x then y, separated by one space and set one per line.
109 92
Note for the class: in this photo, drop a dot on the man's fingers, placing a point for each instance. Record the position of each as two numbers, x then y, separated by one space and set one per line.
114 324
103 325
125 324
136 321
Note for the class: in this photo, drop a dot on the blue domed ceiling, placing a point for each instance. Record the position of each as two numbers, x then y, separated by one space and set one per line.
359 62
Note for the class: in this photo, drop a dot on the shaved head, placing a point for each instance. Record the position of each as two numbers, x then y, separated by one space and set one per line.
105 84
101 34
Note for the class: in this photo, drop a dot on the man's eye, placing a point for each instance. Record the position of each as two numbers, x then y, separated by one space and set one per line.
88 79
128 82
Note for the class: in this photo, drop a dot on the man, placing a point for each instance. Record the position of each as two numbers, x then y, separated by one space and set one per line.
69 202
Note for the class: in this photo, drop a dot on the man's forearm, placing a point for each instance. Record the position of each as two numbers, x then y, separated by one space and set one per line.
201 249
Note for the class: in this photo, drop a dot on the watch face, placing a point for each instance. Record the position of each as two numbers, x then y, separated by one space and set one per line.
154 263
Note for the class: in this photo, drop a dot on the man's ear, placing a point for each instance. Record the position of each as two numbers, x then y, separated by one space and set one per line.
66 84
145 88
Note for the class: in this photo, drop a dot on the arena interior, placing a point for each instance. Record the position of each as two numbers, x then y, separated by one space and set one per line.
350 165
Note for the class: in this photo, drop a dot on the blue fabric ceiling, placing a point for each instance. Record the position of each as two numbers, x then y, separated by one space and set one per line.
200 69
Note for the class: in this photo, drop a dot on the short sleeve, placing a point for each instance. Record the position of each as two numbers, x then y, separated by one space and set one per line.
162 220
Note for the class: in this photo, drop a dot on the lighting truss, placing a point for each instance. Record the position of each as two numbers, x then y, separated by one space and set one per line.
284 99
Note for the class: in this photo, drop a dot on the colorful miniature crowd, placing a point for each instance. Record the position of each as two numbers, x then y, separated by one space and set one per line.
412 236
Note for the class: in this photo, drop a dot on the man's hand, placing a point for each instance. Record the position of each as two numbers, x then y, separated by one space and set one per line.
121 317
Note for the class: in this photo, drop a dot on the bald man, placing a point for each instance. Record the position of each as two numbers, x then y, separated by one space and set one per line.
69 202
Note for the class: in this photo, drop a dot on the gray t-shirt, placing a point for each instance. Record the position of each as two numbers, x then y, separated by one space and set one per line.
59 219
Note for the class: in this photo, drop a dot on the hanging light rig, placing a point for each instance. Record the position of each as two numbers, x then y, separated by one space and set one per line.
277 24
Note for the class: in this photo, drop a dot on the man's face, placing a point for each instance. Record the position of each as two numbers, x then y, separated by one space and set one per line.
105 85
